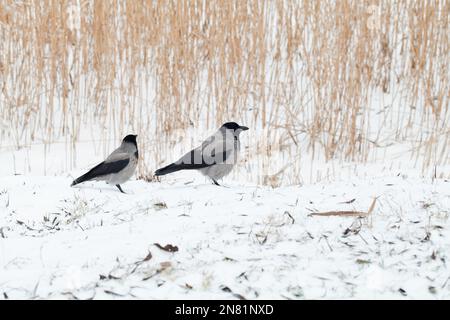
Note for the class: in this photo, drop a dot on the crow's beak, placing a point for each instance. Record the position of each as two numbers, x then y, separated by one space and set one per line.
244 128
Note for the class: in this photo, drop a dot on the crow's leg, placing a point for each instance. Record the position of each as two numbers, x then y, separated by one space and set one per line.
120 188
215 182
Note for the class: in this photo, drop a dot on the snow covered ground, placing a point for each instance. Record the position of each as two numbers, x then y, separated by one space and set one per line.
232 242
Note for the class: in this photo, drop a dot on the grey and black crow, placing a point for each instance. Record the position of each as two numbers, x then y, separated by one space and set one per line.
215 158
118 167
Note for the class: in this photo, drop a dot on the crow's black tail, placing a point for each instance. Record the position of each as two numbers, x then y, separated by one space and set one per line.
85 177
169 169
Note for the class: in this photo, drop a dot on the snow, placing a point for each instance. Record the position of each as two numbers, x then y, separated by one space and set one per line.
236 241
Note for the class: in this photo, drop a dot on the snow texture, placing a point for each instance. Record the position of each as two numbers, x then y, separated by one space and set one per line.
232 242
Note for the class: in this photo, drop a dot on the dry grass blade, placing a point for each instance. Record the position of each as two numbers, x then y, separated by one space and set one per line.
372 205
340 214
167 247
347 213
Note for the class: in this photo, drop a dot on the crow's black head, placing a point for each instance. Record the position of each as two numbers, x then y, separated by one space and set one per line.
233 126
131 138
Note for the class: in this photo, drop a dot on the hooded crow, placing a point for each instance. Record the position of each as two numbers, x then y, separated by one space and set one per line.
118 167
215 158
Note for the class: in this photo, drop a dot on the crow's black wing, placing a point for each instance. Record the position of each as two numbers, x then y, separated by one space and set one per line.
102 169
195 160
105 168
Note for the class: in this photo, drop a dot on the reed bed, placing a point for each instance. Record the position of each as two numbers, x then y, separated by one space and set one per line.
309 77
